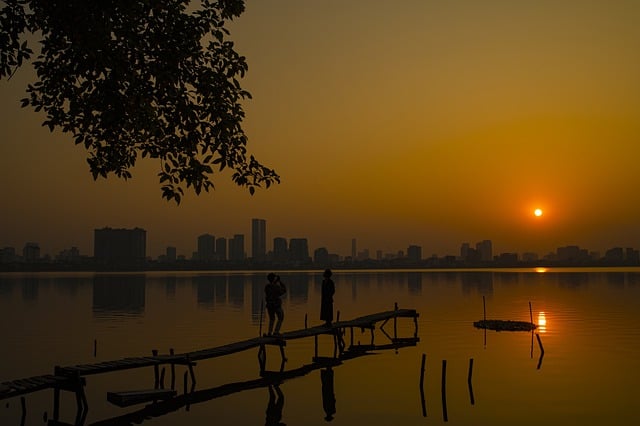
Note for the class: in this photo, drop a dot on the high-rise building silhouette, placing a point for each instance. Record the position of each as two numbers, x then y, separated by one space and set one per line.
236 248
206 247
171 254
280 249
485 250
299 250
414 253
221 248
120 246
258 239
31 252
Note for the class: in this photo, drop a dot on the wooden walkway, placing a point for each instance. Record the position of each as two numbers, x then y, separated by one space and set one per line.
72 378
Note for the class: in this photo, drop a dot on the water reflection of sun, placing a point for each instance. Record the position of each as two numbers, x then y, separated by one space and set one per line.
542 322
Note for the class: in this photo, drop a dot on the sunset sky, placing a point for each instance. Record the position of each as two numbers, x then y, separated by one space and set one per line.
415 122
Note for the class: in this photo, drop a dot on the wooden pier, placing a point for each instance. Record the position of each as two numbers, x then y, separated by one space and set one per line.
72 378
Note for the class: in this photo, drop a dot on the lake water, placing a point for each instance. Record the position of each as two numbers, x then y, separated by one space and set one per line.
589 328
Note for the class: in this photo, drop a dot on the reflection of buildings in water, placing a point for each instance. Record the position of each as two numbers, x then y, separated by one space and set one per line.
509 278
119 294
414 280
68 285
481 282
615 279
633 279
236 291
170 287
257 296
211 289
30 289
6 288
572 279
297 287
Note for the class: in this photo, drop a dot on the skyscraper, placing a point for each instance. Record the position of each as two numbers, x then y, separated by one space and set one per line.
236 248
258 239
126 246
485 250
221 248
206 247
280 249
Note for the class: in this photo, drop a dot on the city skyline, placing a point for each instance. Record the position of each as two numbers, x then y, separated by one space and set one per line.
208 248
429 124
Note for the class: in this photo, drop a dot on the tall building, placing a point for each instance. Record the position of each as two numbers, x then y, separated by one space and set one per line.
236 248
206 247
171 255
299 250
280 249
414 253
31 252
485 250
221 248
124 246
258 239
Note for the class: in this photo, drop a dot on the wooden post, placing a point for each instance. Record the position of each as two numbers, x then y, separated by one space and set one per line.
156 372
540 343
162 378
56 403
422 368
315 346
424 358
484 316
305 321
191 372
484 309
469 381
445 417
23 404
530 312
173 371
185 382
351 330
338 317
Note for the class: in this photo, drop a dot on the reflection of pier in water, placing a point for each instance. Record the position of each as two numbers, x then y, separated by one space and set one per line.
73 379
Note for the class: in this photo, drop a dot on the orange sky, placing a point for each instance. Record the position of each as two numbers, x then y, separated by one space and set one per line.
431 123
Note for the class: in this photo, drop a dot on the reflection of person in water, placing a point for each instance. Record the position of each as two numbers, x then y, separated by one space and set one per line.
274 408
328 396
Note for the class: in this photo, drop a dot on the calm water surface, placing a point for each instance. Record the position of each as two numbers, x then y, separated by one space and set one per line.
588 320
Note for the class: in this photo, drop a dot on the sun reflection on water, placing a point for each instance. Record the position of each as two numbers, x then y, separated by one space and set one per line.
542 322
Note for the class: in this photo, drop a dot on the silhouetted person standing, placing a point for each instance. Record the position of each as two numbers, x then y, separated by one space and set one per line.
275 406
328 395
326 302
272 292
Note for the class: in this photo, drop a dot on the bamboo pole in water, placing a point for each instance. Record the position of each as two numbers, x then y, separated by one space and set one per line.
422 368
472 399
445 417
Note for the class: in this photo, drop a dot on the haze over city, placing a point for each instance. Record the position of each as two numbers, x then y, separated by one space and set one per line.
432 123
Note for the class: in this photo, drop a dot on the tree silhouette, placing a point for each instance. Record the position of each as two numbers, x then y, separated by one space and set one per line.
129 78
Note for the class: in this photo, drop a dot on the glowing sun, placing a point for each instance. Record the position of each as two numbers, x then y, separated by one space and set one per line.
537 212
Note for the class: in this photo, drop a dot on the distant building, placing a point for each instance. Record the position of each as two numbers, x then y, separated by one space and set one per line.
414 253
171 254
221 249
206 247
258 239
299 250
8 255
321 256
236 248
31 252
280 249
120 246
529 257
485 250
